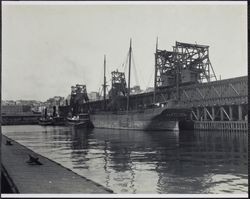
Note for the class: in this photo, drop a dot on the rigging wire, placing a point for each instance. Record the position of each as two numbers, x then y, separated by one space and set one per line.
135 71
122 66
126 64
149 80
100 79
100 91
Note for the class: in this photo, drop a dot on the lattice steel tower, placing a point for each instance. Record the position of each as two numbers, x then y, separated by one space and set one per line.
119 87
78 97
186 64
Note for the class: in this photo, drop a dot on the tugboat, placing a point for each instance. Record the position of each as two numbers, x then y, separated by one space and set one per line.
81 121
45 120
54 120
57 119
79 117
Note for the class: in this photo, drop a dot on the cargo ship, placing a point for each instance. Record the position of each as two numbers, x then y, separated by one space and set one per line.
156 116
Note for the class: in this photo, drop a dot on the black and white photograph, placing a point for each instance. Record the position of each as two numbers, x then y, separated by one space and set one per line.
124 99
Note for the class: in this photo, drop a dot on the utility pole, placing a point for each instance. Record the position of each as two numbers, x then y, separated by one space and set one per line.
129 68
155 80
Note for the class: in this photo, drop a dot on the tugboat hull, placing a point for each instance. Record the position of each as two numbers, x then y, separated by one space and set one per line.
82 122
45 122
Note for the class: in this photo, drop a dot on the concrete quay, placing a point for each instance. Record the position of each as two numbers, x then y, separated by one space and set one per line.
50 177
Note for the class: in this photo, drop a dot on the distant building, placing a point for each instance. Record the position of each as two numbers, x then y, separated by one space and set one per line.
32 103
149 89
93 96
54 101
8 102
16 109
66 101
135 90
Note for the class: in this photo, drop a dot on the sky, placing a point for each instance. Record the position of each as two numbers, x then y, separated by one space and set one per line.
48 48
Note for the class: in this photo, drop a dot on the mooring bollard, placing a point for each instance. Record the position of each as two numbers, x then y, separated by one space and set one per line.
33 160
8 142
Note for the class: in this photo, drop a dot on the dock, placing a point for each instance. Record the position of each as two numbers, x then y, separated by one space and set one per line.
20 119
241 126
215 105
23 176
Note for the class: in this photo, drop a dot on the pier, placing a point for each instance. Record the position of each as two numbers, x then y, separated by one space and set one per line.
221 125
20 175
19 115
213 104
20 119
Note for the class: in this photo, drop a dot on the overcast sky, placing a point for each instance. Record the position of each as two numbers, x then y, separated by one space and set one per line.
48 48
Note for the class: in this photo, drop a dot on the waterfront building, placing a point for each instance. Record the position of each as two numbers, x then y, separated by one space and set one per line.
135 90
16 109
93 96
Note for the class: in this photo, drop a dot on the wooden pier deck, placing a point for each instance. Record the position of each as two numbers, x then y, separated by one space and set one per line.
50 177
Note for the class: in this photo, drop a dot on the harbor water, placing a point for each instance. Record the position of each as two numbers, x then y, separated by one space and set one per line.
126 161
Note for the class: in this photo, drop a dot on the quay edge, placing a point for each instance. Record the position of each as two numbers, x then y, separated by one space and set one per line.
50 177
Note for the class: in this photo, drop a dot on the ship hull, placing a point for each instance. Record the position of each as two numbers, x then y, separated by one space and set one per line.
80 123
151 119
45 122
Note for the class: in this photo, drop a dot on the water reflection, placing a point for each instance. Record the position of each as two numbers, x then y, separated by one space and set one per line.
145 162
80 145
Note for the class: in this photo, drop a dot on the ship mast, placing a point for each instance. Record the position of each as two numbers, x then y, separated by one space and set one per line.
129 68
104 83
178 77
155 69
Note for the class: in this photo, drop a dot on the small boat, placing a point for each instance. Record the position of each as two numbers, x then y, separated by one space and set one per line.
46 121
81 120
54 120
59 121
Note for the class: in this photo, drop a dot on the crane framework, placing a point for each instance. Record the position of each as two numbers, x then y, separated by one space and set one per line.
186 64
119 86
78 97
